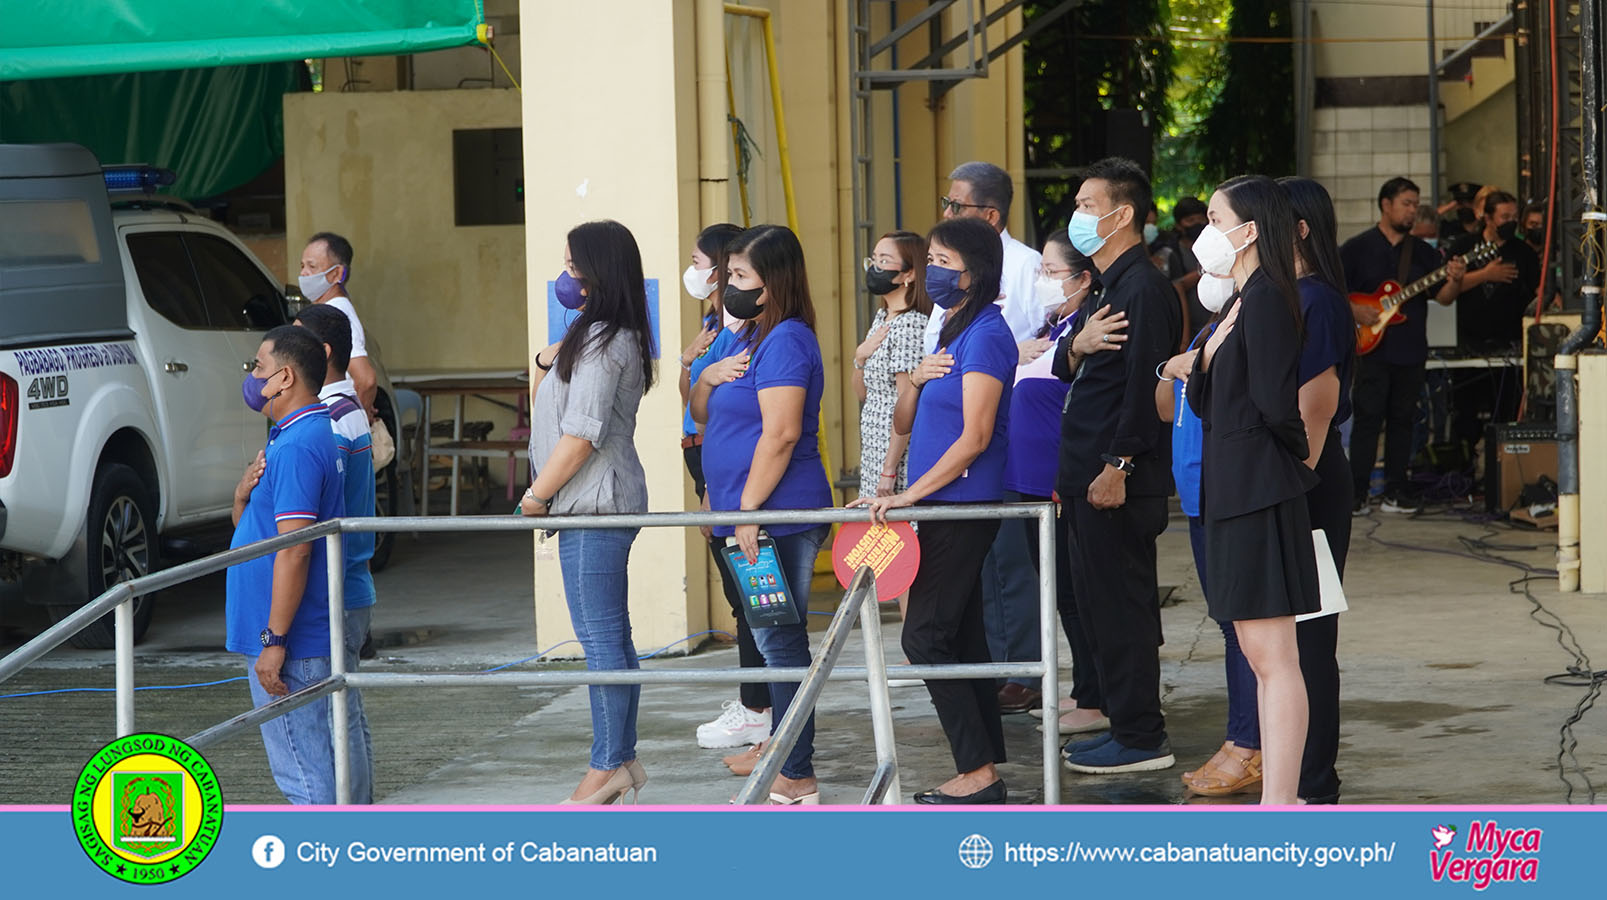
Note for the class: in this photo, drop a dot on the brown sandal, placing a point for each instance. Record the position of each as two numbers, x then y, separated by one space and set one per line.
1219 783
1210 764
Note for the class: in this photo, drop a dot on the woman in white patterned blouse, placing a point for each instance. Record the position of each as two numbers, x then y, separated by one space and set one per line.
895 273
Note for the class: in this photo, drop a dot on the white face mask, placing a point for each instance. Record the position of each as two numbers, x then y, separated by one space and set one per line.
1215 250
1215 292
696 281
1049 292
315 286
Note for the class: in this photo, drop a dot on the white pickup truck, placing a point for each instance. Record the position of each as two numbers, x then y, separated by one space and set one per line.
126 320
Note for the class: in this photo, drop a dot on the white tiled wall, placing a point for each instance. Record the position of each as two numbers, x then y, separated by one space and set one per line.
1355 150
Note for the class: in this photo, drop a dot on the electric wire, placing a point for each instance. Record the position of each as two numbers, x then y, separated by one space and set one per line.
1579 674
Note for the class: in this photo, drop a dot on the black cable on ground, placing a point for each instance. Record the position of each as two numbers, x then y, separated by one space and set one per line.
1580 674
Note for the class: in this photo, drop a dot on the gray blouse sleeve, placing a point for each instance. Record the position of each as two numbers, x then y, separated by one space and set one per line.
592 387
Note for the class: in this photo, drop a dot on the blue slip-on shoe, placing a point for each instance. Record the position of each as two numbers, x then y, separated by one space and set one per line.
1114 758
1085 745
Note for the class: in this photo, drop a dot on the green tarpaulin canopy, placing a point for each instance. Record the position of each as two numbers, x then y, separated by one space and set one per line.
53 38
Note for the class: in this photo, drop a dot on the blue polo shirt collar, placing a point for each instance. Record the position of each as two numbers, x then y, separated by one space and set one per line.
305 412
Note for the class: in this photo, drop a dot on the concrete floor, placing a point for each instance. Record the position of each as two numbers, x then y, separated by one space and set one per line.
1443 697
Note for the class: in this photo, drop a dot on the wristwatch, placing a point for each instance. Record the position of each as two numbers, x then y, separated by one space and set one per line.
1119 463
269 639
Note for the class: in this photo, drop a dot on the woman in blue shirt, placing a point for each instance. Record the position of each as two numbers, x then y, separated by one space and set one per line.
1326 360
957 420
761 408
1236 765
746 719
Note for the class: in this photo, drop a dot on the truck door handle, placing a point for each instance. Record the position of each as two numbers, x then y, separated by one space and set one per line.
176 366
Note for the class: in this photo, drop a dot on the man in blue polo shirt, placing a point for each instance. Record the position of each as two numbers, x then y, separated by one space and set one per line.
278 605
352 441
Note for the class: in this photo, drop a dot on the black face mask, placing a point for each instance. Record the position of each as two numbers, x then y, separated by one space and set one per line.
1193 231
742 304
1507 231
879 281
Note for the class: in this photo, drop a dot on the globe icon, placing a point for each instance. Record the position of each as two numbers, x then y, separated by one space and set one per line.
976 852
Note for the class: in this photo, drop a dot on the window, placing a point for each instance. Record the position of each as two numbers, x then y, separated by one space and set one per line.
46 233
238 297
167 279
488 176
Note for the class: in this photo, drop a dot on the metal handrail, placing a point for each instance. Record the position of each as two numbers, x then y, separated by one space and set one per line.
885 781
792 724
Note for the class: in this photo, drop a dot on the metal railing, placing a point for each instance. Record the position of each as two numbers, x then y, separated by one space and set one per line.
823 667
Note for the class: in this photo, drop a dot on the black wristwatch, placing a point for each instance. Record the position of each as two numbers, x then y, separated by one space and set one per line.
269 639
1116 461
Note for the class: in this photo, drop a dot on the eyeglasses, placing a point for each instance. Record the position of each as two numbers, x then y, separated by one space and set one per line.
944 204
1056 271
870 261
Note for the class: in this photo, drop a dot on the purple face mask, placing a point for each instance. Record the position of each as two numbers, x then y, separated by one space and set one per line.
251 391
568 292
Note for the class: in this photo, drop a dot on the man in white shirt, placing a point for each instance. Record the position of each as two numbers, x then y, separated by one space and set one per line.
983 190
326 266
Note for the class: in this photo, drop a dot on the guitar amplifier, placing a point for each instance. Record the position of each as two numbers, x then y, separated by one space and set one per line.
1516 454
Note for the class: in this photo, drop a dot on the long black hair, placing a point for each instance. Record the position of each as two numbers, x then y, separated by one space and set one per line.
979 248
1319 249
610 267
1259 199
777 258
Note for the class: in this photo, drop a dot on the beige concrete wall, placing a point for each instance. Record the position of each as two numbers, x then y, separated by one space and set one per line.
377 168
1592 473
626 152
1481 145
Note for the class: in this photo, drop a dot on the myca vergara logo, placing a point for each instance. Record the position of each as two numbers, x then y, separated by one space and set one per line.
1491 854
147 808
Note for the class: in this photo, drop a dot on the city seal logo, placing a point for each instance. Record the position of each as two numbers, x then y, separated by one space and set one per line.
147 809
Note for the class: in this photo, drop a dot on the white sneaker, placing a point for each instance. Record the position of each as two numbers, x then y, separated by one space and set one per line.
737 726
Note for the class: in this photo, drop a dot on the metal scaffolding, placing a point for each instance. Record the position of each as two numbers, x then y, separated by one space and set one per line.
954 28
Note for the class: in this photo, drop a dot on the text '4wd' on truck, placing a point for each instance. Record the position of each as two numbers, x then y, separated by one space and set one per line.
125 329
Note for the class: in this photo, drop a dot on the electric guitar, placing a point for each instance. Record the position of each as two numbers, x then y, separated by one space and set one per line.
1390 296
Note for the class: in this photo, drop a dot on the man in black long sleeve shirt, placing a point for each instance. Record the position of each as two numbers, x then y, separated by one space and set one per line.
1115 472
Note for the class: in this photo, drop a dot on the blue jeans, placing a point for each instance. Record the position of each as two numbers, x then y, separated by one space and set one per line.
300 748
788 645
1010 595
593 561
1244 717
359 740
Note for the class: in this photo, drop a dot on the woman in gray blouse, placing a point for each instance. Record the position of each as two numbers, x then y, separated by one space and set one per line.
583 461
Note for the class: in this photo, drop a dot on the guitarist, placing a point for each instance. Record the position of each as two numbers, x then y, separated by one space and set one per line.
1390 379
1490 318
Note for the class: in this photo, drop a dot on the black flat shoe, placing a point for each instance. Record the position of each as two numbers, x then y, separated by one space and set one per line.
993 793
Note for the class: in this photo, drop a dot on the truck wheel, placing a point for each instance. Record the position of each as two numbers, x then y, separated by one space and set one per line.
385 500
122 546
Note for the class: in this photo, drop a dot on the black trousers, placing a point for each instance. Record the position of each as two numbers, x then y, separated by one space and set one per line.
1119 605
944 625
755 695
1385 397
1318 639
1084 677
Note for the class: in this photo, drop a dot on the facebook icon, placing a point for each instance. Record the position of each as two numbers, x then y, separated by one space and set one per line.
268 851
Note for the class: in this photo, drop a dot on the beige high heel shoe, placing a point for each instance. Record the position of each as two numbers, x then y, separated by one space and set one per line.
619 781
638 779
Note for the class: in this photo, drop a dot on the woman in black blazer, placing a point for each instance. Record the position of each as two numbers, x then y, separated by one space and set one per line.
1260 561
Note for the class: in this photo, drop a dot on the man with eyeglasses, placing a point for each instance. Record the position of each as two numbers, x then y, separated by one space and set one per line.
983 191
